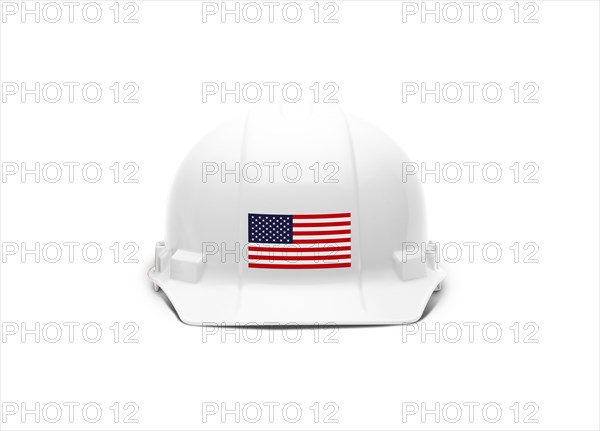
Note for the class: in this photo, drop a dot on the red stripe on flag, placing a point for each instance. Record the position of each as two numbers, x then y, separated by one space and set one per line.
324 224
320 249
321 241
294 258
303 266
305 216
321 232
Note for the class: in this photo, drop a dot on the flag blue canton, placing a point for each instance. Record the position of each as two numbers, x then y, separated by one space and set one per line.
270 228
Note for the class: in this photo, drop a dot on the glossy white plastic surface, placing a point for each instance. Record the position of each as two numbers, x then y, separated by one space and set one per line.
209 286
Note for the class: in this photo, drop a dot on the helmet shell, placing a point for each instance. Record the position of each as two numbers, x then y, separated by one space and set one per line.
296 161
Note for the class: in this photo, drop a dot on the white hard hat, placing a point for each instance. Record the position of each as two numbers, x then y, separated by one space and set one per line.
296 216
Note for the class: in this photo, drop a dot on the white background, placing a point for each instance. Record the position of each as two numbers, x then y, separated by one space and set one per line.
370 373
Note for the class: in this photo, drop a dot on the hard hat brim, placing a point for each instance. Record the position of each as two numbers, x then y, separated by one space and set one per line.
378 298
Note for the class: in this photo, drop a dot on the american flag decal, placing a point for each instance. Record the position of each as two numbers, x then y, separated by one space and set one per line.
299 241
